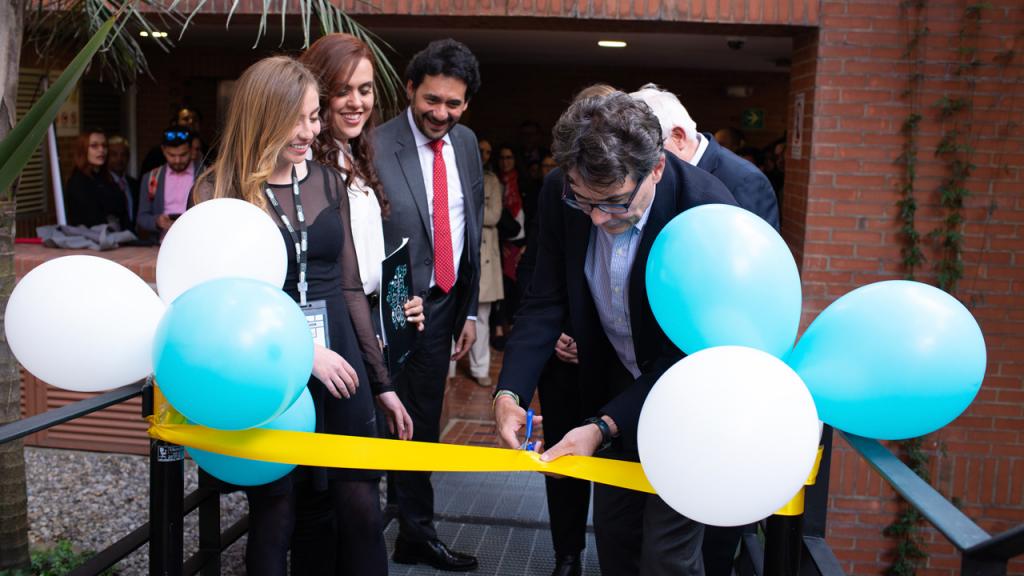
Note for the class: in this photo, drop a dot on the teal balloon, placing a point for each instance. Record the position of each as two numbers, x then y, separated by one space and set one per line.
244 472
892 360
233 353
719 275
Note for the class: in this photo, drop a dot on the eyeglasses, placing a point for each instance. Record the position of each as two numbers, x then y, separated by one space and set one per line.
177 136
571 200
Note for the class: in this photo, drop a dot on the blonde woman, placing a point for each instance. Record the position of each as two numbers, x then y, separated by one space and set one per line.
273 119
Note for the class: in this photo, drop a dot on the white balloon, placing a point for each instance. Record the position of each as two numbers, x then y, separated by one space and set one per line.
728 435
83 323
220 238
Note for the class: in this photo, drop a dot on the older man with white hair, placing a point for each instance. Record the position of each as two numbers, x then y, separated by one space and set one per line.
748 184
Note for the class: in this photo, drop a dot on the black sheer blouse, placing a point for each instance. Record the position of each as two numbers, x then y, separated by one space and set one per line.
332 263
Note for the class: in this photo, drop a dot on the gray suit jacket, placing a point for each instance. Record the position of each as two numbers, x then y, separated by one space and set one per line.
398 166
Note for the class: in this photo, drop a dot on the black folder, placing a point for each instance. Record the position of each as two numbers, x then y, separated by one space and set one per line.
395 290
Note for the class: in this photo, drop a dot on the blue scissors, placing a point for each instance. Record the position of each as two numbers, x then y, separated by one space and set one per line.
527 444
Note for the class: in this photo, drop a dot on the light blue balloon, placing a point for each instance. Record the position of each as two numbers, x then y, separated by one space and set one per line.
719 275
892 360
244 472
233 353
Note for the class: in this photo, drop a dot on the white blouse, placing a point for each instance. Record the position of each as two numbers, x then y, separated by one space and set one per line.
367 231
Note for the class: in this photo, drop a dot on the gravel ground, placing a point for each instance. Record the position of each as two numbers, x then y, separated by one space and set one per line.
93 499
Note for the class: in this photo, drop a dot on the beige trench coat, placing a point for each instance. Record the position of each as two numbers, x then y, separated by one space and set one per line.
491 287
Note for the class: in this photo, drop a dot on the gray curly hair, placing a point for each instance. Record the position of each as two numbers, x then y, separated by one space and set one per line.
606 139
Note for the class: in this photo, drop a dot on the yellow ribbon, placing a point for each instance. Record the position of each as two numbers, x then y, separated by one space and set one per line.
337 451
795 507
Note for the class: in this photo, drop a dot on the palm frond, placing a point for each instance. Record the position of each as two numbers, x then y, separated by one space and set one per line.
332 19
389 83
24 139
59 25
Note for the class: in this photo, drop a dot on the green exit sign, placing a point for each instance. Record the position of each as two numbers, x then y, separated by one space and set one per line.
753 118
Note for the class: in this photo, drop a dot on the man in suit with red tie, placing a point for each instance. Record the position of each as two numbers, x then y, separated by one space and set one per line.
430 169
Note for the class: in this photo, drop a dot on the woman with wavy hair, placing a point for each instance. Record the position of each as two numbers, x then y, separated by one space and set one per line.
272 121
90 195
345 67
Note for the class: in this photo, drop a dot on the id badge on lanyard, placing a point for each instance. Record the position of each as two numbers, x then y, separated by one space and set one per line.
316 317
315 311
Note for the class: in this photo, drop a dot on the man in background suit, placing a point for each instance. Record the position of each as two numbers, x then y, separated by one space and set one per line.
597 225
747 183
755 193
117 163
430 169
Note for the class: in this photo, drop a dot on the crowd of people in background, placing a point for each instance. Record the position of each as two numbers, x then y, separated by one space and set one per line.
102 191
302 139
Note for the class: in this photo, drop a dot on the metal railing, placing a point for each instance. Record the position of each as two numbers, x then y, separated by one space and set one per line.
981 554
795 546
167 509
780 546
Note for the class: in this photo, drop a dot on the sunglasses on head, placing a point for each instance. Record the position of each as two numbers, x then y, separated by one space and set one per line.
177 136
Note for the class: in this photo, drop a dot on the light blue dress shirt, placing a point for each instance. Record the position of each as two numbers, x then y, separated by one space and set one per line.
608 266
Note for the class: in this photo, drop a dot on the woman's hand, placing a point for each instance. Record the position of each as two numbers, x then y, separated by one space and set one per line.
334 372
414 312
399 421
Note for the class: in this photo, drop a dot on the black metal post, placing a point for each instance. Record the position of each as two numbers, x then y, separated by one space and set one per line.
166 485
209 534
783 545
166 501
816 495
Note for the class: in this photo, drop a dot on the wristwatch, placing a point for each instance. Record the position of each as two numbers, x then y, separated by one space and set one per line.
606 432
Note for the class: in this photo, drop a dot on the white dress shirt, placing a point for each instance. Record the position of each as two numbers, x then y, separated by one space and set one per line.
701 148
456 201
367 226
367 233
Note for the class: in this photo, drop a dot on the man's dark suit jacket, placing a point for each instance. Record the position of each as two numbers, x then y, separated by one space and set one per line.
559 285
746 182
398 167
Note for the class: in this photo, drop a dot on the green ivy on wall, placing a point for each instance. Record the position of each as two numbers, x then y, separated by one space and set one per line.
954 149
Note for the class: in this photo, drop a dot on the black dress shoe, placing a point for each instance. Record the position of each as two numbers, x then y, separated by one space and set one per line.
568 565
434 553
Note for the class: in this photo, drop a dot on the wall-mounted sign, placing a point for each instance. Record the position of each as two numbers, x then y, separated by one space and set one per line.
796 134
753 118
69 118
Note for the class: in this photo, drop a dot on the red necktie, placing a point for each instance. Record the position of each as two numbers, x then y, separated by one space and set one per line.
444 265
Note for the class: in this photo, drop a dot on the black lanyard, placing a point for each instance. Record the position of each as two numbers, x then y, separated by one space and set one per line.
300 238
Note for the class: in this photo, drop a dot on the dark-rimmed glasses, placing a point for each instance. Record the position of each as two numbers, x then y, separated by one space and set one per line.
571 200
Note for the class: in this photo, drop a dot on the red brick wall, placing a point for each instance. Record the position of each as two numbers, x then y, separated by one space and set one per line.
850 238
779 12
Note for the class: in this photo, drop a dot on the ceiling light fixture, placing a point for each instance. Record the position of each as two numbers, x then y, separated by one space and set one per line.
144 34
611 44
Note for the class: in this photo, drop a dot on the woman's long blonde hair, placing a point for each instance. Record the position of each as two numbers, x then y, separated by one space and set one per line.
264 108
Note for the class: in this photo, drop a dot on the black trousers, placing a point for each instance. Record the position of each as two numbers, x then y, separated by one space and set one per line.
420 385
568 498
638 533
720 545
